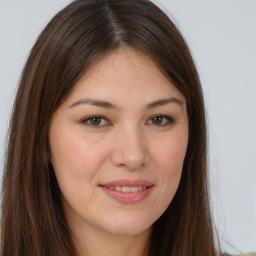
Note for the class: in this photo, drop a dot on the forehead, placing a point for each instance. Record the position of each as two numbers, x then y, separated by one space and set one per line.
125 74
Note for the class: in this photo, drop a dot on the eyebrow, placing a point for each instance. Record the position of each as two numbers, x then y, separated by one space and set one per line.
162 102
108 105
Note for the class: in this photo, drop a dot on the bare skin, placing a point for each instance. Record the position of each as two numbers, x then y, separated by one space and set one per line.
124 123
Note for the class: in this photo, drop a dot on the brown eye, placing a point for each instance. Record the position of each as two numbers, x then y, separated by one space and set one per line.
157 120
161 120
95 120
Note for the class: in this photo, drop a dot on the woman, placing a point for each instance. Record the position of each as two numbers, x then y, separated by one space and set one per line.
107 144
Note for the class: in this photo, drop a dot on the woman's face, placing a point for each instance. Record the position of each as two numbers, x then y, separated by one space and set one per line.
117 145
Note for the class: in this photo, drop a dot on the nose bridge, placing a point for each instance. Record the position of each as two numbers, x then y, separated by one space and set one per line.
130 149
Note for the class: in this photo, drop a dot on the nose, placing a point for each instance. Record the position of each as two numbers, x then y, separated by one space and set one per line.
130 149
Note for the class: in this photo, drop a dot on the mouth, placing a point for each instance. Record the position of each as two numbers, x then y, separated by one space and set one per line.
127 191
128 186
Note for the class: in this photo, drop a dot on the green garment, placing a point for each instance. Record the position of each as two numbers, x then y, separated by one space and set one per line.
243 254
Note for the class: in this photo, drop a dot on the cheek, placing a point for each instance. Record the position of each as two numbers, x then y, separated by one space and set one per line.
75 160
77 164
170 158
171 153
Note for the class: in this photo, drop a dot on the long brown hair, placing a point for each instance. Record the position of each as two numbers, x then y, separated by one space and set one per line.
33 222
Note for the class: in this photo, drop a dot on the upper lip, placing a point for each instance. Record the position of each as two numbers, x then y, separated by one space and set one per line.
128 183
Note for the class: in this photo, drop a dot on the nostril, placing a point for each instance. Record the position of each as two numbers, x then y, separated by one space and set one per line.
130 151
130 161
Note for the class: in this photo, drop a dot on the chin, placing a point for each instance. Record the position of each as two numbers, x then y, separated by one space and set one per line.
128 230
129 226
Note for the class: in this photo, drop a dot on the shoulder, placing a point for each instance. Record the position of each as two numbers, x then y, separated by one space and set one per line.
243 254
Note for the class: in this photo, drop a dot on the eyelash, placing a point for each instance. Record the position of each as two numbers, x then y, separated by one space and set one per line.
165 118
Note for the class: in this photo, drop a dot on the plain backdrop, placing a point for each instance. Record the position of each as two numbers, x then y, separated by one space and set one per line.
222 37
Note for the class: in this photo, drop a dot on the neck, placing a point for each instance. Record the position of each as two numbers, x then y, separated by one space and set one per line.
98 243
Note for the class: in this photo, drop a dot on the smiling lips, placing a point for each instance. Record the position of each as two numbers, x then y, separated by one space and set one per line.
128 191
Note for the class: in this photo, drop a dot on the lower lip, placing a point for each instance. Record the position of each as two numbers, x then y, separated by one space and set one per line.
128 197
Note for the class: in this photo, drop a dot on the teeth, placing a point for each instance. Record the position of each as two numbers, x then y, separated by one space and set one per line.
127 189
134 189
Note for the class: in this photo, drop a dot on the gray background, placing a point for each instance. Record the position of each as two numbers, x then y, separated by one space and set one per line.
222 37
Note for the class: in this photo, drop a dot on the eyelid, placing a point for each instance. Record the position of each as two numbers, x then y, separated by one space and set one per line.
86 119
170 120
